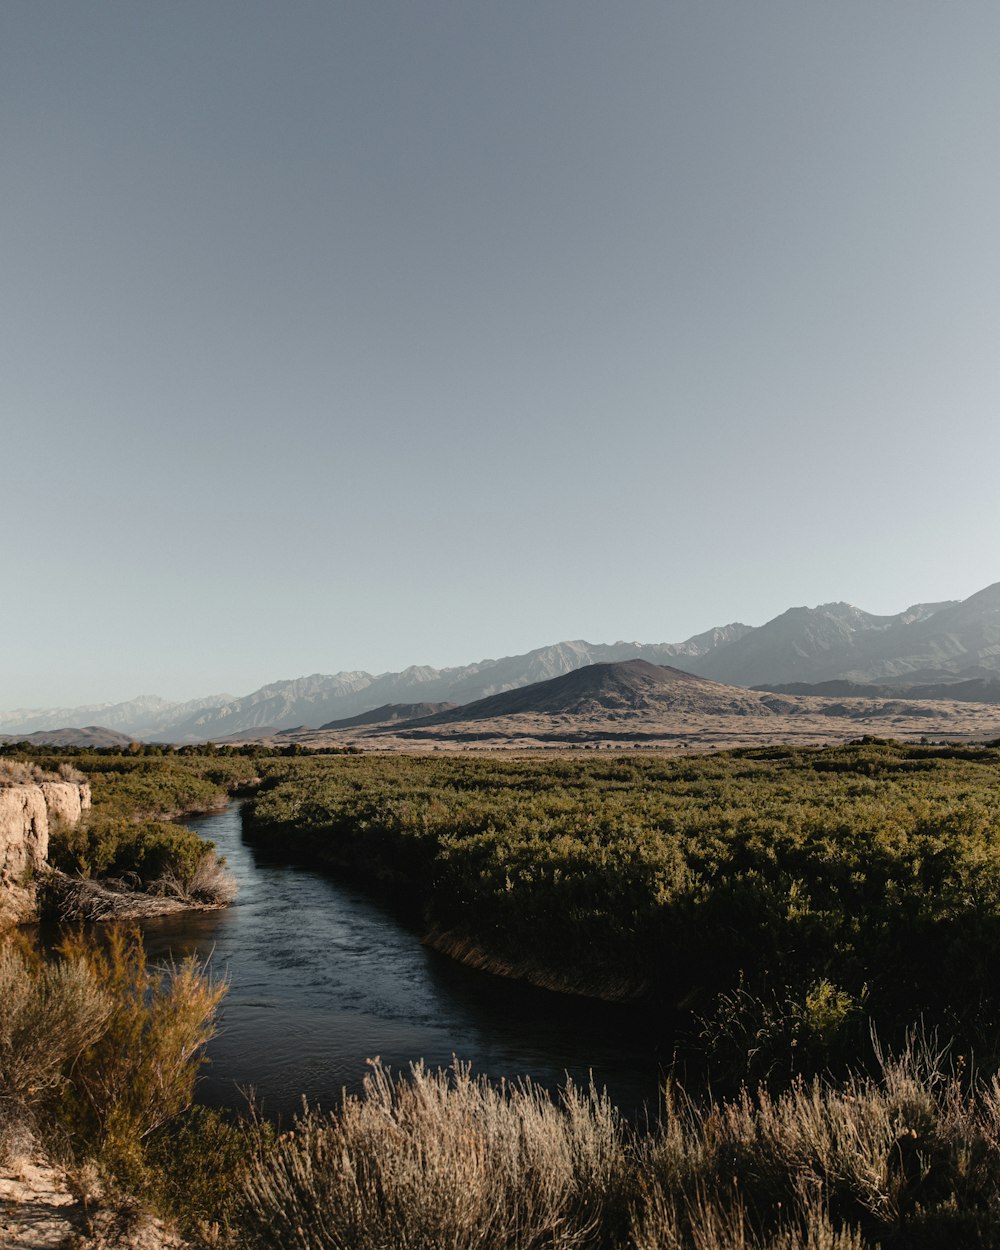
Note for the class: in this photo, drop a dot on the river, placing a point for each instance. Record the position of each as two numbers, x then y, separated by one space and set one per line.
322 978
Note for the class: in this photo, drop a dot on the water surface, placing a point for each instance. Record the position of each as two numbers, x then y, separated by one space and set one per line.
322 978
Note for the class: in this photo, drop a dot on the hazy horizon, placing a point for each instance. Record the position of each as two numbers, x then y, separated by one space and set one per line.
357 336
452 663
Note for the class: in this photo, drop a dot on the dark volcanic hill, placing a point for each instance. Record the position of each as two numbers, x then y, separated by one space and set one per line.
600 690
390 714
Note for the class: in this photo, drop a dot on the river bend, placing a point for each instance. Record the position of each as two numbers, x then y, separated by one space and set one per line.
322 978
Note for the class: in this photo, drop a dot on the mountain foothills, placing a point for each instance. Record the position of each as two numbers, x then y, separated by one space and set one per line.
948 650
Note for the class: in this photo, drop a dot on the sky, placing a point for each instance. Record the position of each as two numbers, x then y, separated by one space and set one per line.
357 335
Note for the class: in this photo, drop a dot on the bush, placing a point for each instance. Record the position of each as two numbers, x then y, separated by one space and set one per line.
196 1167
113 846
50 1014
140 1072
99 1054
441 1160
906 1159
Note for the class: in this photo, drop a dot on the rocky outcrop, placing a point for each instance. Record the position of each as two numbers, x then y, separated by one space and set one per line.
27 813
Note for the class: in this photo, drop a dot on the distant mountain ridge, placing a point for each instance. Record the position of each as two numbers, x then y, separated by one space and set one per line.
87 736
318 699
142 717
929 645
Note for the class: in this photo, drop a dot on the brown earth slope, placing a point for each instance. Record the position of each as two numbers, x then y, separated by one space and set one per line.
611 690
390 714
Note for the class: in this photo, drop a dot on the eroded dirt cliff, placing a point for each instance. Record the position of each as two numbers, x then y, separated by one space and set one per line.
28 811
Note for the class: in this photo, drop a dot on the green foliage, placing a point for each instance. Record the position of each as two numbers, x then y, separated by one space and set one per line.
772 1036
113 846
831 877
196 1167
99 1054
139 1073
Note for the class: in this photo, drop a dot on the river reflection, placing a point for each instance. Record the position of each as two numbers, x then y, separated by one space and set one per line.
322 978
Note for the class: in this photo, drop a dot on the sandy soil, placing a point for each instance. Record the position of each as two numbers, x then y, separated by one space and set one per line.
813 721
38 1211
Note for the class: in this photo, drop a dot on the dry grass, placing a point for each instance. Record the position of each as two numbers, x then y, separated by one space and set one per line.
49 1015
19 772
211 883
674 731
77 899
443 1161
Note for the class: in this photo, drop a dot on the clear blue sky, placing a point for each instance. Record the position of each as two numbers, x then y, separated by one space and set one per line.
355 335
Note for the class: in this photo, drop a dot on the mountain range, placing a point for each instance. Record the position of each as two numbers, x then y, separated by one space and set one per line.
624 703
929 647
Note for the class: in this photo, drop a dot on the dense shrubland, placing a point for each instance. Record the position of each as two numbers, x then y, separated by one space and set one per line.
781 897
778 903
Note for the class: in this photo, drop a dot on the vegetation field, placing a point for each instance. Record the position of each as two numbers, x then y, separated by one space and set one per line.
99 1052
784 899
823 923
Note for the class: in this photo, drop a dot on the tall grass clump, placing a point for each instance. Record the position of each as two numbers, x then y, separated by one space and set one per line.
905 1159
908 1159
442 1161
22 772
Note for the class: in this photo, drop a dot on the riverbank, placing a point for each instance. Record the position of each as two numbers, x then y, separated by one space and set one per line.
74 900
616 987
128 857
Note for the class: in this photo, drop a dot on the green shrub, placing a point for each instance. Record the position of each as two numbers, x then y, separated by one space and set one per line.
140 1072
125 835
112 846
197 1166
